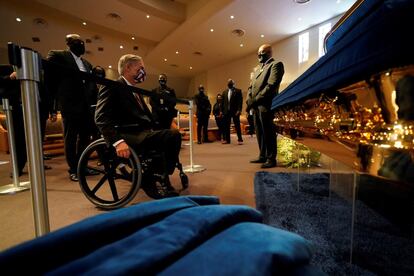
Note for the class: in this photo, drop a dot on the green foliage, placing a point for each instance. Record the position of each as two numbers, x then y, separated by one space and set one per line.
295 155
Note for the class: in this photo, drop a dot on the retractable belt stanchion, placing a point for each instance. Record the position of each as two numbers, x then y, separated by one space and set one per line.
192 168
178 119
28 63
16 186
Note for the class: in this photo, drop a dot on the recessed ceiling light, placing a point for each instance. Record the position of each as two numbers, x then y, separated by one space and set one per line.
262 35
177 52
121 47
338 1
191 67
110 66
299 18
301 1
231 16
18 19
211 30
148 16
241 45
165 59
84 23
133 38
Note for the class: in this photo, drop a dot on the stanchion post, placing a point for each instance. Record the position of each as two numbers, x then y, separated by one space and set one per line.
192 168
178 119
16 186
29 75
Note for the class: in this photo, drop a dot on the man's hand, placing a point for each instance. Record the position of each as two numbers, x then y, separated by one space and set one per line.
122 150
13 75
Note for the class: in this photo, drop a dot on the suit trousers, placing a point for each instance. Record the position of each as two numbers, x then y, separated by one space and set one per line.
167 141
227 123
202 126
266 134
77 134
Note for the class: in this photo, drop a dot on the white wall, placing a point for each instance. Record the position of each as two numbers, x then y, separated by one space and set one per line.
215 80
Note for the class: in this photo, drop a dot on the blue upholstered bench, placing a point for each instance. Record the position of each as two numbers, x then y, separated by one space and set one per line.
192 235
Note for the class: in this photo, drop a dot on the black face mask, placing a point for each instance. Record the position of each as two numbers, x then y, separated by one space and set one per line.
77 48
230 85
201 90
163 82
263 57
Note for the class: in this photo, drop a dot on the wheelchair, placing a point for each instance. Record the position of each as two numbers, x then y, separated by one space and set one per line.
116 180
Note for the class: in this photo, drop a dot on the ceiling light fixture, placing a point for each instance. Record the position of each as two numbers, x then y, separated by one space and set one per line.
165 59
299 18
238 32
148 16
84 23
301 1
133 38
121 47
191 68
18 19
231 16
110 66
177 52
338 1
211 30
262 35
241 45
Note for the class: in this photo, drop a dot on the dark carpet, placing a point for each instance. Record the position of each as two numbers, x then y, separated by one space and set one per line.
324 218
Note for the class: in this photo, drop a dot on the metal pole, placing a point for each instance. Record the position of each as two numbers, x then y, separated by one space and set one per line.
29 75
192 168
16 186
178 119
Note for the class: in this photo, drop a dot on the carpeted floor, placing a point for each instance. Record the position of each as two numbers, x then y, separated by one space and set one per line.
324 218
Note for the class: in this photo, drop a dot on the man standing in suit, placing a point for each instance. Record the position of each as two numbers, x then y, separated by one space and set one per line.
232 106
203 114
163 103
125 121
263 88
74 95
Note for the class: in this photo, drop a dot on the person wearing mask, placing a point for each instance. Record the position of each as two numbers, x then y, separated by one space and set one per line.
72 94
10 89
232 107
125 121
263 88
163 103
203 114
218 115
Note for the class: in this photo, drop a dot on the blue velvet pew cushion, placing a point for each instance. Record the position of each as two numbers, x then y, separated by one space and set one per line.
152 249
246 249
72 242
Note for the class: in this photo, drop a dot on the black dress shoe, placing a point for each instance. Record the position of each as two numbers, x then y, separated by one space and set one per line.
47 167
74 177
46 157
258 160
269 164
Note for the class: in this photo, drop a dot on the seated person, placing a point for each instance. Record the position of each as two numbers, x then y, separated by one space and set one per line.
125 121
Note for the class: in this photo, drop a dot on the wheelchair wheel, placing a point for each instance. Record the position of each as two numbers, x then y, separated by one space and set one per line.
107 180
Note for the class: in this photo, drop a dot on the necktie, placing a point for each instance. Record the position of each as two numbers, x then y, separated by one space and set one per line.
139 100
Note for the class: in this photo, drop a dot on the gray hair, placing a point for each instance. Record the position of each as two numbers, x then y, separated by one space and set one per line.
125 60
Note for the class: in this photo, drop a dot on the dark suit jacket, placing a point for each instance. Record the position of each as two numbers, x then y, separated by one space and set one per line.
163 103
203 105
74 95
118 112
265 85
236 102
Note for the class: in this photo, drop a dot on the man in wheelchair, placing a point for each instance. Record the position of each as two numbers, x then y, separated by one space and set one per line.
125 121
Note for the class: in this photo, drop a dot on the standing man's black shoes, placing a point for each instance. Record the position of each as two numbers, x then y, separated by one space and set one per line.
74 177
258 160
269 164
